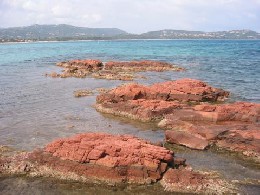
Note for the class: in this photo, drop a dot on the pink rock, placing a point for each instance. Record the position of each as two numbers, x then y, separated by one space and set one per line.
182 90
108 154
186 139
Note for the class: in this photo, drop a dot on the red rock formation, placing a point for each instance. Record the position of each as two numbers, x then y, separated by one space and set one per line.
188 181
141 109
245 141
188 90
195 126
215 122
90 65
105 157
78 68
112 70
110 159
137 66
186 139
239 111
183 90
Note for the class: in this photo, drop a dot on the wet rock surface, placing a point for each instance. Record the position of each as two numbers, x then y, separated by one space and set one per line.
114 75
189 181
95 156
113 160
139 66
190 112
83 92
110 70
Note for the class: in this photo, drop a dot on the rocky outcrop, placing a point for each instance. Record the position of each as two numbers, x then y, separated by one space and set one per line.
98 157
239 111
141 109
90 65
188 110
110 159
183 90
139 66
111 70
222 125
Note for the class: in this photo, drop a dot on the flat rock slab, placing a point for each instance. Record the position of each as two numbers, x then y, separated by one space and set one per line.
186 139
189 181
110 70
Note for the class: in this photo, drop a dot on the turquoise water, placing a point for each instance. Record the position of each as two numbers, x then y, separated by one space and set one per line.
233 65
35 109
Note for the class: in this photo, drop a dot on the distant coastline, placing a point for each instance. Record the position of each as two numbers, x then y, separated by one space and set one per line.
51 33
90 40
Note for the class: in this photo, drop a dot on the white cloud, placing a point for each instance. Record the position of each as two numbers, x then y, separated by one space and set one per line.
134 15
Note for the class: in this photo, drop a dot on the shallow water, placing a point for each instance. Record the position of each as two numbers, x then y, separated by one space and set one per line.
35 109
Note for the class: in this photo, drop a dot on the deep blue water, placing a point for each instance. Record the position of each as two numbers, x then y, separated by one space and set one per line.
35 109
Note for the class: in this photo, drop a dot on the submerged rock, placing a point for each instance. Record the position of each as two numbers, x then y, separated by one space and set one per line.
83 92
114 75
138 66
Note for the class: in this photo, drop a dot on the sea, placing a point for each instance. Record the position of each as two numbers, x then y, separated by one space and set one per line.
35 109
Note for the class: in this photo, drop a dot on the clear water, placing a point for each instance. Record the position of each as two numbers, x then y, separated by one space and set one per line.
35 109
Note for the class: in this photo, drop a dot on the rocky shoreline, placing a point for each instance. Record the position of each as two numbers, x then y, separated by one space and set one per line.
191 113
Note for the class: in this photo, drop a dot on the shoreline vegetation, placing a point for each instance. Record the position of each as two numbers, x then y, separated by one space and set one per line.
63 32
192 113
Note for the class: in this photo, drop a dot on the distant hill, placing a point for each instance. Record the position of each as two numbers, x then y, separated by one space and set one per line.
49 32
63 32
182 34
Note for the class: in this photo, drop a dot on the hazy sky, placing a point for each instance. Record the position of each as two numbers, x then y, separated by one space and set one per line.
135 16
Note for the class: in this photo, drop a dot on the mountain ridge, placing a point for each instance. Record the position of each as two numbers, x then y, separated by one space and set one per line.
63 32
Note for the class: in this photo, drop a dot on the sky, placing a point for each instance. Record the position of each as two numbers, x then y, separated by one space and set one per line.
134 16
